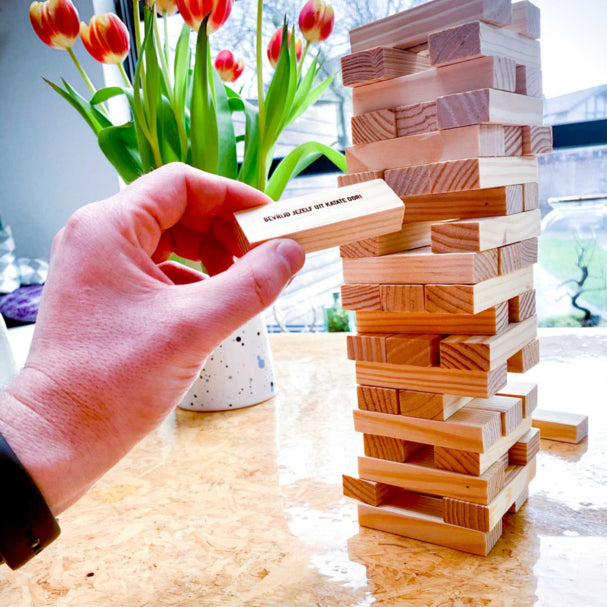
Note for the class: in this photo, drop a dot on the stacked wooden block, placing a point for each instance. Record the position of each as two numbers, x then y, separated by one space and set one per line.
448 110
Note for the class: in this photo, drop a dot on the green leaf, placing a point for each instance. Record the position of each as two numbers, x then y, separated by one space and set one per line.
182 65
119 144
227 162
107 93
168 133
310 99
296 161
248 171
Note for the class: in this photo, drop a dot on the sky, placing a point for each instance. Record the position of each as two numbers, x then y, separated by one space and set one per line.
574 44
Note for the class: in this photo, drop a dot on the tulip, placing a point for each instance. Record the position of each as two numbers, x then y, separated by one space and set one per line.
275 44
106 38
163 7
228 66
316 20
56 22
194 11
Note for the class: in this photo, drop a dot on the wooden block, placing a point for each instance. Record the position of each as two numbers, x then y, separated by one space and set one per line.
410 28
526 358
430 406
402 298
416 118
421 266
488 322
353 178
399 518
322 220
462 175
380 63
452 144
509 259
484 518
383 400
472 299
526 392
488 106
537 139
525 19
519 501
464 205
510 409
486 72
432 379
474 463
528 81
521 307
374 126
487 352
476 39
564 427
410 236
525 450
485 233
531 196
529 250
367 347
513 141
360 297
368 492
419 350
387 447
420 474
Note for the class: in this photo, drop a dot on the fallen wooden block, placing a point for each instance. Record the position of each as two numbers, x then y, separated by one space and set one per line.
525 19
421 266
402 298
438 380
486 72
492 321
528 81
326 219
564 427
368 492
531 196
430 406
525 450
489 107
452 144
510 409
398 516
420 474
477 39
526 358
472 299
475 463
360 297
390 448
410 236
462 175
484 518
353 178
383 400
410 28
485 233
537 139
492 202
526 392
380 63
487 352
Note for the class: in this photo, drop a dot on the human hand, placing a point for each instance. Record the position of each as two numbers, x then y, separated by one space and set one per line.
121 333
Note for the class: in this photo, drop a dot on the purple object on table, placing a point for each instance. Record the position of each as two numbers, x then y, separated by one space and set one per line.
22 304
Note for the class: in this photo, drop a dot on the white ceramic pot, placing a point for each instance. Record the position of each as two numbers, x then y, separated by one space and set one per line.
8 369
239 373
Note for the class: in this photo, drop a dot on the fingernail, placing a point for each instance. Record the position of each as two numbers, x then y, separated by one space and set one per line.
292 253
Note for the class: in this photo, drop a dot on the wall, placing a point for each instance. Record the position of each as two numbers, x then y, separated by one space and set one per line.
49 159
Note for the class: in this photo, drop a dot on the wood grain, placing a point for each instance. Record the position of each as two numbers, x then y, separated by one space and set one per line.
526 358
383 400
368 492
387 447
410 28
416 118
366 347
519 502
529 81
526 19
410 236
374 126
477 39
430 406
537 139
525 450
510 409
526 392
360 297
402 298
353 178
419 350
531 196
559 426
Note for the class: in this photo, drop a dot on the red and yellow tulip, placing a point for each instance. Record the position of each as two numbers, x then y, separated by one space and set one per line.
106 38
164 7
229 66
194 11
275 44
316 20
56 22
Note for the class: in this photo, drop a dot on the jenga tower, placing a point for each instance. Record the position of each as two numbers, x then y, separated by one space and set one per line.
448 110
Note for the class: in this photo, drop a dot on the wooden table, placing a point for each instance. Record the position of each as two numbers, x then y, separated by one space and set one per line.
244 508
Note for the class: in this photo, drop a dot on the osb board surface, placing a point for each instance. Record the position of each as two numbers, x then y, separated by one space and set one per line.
245 508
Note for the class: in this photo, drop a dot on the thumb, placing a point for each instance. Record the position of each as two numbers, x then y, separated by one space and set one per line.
246 288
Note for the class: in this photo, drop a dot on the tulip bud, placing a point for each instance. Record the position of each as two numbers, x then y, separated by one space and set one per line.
163 7
275 44
56 22
228 66
194 11
106 38
316 20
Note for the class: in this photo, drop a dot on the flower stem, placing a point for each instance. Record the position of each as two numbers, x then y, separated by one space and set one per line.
124 75
301 61
136 26
84 75
261 169
166 36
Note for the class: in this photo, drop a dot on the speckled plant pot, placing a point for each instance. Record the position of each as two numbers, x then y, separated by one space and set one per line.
237 374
